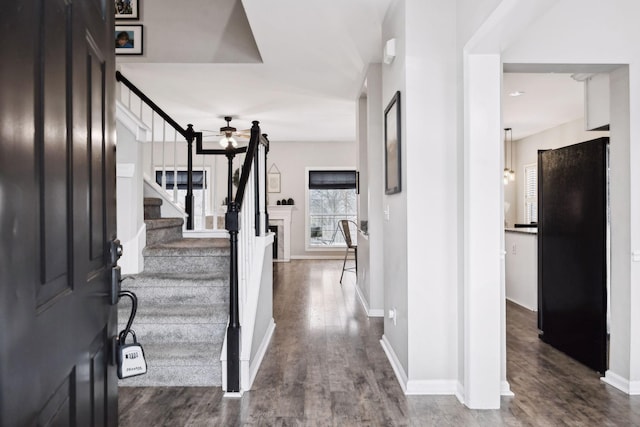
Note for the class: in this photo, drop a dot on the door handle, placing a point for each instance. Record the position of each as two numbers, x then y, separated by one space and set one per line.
115 251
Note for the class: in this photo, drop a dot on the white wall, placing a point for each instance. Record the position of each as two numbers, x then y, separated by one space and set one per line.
420 236
370 140
395 228
129 195
292 158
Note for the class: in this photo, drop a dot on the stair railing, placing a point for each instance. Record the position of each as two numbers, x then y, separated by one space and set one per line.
246 218
165 131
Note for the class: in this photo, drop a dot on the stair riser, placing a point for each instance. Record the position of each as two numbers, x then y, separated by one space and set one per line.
179 264
152 212
183 376
176 333
163 235
181 295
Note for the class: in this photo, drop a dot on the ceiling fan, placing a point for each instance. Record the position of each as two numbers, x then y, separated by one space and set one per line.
228 133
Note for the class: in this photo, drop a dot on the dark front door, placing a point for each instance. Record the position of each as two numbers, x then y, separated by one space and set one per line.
572 269
57 213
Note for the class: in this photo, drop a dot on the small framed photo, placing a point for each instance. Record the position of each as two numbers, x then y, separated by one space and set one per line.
273 182
392 140
126 9
128 39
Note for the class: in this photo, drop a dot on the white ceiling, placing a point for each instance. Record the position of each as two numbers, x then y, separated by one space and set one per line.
548 100
313 53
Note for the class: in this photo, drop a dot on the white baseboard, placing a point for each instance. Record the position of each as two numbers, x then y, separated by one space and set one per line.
505 389
621 383
321 257
395 363
431 387
371 312
262 350
416 387
233 394
460 392
535 309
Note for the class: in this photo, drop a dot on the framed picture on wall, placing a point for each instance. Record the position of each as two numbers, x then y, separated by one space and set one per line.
273 182
126 9
128 39
392 140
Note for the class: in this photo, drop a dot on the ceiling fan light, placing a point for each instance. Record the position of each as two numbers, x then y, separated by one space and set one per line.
228 140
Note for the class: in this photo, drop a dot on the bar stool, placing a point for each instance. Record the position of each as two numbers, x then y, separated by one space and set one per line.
346 233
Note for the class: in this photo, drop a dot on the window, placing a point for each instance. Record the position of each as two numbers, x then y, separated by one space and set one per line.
530 193
200 197
331 196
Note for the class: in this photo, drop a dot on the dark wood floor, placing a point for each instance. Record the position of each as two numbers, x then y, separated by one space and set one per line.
325 367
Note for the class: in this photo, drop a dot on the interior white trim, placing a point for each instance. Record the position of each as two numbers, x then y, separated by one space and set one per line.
429 387
371 312
621 383
132 261
262 350
460 392
282 213
505 389
125 116
522 305
395 363
303 257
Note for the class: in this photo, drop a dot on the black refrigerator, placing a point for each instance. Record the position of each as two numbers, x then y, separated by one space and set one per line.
572 250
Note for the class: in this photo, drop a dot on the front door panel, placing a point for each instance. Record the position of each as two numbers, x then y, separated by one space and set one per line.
57 214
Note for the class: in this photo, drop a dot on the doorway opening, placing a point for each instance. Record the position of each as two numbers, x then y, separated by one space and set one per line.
521 242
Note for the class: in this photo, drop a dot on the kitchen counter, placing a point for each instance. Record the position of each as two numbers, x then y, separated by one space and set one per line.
529 230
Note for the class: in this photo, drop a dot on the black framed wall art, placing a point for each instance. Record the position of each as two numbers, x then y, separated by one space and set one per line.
128 39
392 141
126 9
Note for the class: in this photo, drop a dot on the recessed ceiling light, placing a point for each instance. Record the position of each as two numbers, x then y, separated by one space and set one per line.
517 93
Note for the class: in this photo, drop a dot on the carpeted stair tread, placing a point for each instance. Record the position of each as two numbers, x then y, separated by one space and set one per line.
176 376
182 354
190 247
142 280
171 313
176 332
158 223
182 294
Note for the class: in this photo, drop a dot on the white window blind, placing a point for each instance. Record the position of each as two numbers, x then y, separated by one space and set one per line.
530 193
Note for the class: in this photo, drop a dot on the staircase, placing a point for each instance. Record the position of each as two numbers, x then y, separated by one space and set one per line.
183 306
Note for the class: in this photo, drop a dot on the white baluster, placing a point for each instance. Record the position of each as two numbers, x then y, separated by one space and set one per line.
164 157
153 138
175 166
214 174
204 195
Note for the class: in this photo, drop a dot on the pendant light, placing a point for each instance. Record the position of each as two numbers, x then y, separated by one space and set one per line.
508 174
512 173
505 172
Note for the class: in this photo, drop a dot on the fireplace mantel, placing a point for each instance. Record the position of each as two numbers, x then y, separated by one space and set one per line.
282 213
